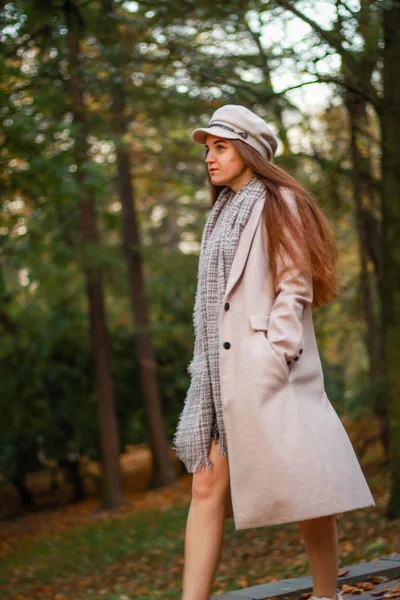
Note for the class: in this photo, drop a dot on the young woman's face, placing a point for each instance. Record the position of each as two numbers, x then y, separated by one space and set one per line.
224 163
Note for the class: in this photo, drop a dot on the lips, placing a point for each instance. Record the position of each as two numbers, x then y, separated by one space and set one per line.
213 170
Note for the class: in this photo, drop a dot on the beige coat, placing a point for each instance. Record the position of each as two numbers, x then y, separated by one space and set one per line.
290 457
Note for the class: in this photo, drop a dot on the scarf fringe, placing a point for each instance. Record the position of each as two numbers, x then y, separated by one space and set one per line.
223 449
197 465
193 464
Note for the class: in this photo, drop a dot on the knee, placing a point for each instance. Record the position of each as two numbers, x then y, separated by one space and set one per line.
207 487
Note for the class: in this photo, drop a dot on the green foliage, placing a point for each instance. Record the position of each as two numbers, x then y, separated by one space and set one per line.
46 373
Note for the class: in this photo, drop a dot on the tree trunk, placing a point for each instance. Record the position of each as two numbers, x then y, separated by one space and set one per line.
25 495
390 124
73 476
356 107
163 471
112 482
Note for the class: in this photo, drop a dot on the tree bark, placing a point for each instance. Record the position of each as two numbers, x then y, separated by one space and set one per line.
112 478
163 471
390 124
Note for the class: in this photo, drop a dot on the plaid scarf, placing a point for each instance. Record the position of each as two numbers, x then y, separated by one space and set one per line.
201 418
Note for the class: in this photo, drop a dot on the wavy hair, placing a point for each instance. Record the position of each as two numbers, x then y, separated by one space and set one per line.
311 247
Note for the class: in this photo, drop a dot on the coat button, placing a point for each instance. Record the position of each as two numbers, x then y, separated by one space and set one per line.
227 306
227 345
296 358
301 350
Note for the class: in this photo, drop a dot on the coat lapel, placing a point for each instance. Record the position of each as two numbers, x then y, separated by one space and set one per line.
244 246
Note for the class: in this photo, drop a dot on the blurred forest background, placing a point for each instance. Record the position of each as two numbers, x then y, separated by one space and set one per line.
103 202
104 198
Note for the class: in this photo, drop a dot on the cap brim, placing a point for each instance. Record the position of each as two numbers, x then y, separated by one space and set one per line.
199 135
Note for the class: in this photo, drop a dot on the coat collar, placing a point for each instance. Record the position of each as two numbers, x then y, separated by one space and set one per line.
244 246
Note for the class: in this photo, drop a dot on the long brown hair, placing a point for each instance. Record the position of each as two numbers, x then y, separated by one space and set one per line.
312 247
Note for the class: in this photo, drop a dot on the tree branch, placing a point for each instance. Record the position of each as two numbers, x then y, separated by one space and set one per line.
351 62
323 79
344 5
256 38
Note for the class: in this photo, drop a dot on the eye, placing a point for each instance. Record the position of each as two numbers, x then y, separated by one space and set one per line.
220 146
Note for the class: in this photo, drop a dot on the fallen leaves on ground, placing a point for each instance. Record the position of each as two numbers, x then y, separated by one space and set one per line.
82 553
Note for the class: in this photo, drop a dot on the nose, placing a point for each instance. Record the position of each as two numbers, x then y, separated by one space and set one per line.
209 157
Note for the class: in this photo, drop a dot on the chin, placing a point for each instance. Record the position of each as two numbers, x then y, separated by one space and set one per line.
218 180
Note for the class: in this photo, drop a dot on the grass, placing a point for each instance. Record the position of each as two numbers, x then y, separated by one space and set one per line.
139 554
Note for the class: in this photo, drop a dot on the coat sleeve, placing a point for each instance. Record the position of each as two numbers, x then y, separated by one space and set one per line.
294 293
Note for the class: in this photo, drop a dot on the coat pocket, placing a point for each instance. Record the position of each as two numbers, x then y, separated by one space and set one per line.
260 323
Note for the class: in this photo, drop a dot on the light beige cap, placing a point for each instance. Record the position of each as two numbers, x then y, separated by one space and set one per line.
235 122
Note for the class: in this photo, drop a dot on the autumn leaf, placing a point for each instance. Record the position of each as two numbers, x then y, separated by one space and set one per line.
366 585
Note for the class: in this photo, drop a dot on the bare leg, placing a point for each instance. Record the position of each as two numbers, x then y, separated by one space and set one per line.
320 539
205 526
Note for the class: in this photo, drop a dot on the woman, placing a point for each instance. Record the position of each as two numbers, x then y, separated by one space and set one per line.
257 430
